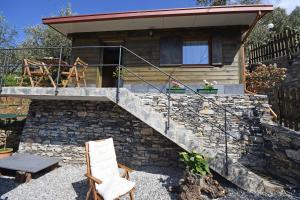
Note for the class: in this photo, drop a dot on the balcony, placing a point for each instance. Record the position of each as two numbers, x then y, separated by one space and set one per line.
84 72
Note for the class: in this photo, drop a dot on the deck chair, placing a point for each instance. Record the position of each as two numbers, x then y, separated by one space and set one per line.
36 71
105 182
77 71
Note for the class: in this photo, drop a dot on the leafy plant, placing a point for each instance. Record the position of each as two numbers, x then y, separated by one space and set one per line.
122 73
264 78
209 85
11 80
195 163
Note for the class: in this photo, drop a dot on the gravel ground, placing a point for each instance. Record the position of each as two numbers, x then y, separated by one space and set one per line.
68 182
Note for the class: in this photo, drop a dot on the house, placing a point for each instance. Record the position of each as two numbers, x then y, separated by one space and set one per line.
149 125
191 44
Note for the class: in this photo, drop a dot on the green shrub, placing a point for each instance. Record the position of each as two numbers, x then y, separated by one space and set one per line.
195 163
11 80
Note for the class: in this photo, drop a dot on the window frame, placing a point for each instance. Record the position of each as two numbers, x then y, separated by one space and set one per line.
209 42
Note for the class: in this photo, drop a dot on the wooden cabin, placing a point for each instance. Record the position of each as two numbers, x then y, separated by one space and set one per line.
191 44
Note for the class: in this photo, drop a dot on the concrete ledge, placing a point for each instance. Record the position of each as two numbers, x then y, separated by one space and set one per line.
48 93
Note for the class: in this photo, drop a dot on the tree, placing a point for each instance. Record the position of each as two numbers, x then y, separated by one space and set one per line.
260 33
294 18
44 36
7 34
226 2
211 2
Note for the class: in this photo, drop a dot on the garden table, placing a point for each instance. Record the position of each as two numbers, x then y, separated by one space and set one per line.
26 164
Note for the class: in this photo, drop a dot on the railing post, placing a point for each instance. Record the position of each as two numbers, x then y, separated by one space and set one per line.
2 75
169 105
119 75
58 71
226 147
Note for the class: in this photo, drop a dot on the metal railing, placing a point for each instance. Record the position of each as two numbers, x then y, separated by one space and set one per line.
11 63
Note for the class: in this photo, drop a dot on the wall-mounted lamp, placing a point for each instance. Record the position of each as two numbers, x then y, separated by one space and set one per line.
150 33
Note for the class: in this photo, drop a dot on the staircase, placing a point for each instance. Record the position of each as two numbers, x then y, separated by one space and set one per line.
186 139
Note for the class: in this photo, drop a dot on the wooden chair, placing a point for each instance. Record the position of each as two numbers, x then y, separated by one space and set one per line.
36 71
105 182
77 71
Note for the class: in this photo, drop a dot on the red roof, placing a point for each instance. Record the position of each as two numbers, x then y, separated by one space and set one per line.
162 13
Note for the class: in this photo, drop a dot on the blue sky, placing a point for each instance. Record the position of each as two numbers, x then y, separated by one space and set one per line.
23 13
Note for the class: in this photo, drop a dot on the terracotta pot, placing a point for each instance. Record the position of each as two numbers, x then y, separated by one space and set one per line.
6 153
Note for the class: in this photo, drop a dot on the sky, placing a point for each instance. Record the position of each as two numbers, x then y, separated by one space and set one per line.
24 13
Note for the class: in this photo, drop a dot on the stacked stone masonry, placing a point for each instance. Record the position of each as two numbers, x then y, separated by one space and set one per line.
61 128
281 148
206 118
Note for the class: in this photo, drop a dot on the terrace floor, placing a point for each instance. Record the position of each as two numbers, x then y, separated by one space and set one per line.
68 182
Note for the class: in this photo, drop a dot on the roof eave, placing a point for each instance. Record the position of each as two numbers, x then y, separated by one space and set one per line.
160 13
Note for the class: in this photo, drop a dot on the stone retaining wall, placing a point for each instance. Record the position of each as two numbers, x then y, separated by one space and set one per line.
282 152
206 118
60 128
12 134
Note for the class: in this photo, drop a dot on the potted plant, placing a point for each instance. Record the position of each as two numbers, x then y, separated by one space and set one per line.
4 151
176 89
208 88
122 75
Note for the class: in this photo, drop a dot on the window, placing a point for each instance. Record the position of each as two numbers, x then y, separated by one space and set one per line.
195 52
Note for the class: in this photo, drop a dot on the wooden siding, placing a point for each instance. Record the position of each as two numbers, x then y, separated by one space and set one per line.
147 46
196 75
91 56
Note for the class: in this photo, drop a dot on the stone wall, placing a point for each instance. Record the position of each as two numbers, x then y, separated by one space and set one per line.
11 133
258 142
282 153
206 119
60 128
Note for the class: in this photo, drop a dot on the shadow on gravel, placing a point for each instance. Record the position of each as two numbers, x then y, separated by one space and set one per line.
80 188
6 185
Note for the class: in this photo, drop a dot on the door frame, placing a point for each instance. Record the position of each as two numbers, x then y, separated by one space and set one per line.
105 42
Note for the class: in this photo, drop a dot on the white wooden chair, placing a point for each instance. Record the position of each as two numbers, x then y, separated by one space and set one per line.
105 182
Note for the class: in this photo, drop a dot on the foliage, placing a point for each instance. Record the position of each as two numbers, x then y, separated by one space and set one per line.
281 22
11 79
7 34
44 36
294 18
211 2
209 85
195 163
123 72
225 2
264 78
261 33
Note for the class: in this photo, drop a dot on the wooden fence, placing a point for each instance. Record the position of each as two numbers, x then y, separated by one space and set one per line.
279 45
286 104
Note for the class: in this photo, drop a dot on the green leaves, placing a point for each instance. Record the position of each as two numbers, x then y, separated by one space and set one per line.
196 163
7 33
